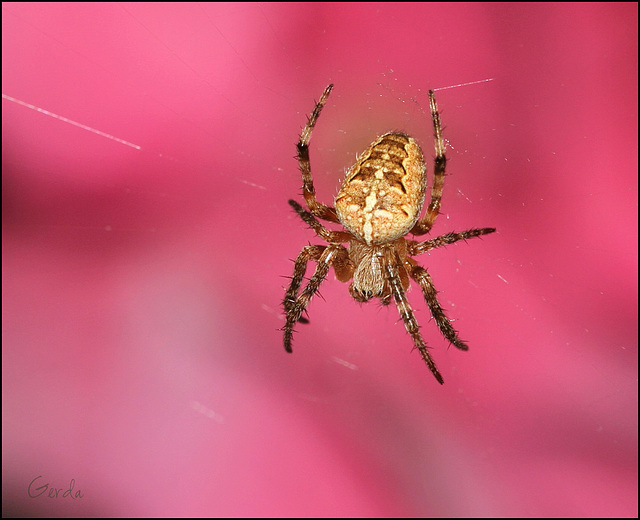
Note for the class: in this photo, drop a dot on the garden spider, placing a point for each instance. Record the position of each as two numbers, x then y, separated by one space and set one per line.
379 203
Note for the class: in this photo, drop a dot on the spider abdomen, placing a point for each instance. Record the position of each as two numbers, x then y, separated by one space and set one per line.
383 193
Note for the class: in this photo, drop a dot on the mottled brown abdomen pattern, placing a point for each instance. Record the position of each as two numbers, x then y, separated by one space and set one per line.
383 193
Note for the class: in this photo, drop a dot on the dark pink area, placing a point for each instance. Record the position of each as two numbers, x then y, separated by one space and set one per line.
147 160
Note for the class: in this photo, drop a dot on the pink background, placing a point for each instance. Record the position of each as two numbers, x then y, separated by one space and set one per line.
147 160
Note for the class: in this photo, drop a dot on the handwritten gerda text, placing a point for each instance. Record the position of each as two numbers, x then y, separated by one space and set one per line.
38 488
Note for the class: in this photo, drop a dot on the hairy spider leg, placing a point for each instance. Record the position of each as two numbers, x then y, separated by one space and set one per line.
333 237
392 274
318 209
299 268
295 306
417 248
420 275
439 165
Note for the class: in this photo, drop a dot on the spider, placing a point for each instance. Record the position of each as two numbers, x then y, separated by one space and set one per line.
379 203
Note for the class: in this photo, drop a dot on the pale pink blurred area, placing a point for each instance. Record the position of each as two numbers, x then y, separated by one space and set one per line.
148 155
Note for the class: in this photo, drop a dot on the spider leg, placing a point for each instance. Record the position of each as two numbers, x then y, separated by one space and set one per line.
294 306
425 223
299 268
333 237
392 275
319 210
417 248
420 275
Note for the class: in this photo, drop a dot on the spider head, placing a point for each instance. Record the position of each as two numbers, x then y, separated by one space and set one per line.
368 277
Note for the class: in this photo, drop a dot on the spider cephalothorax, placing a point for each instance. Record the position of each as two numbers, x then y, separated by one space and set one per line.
379 203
